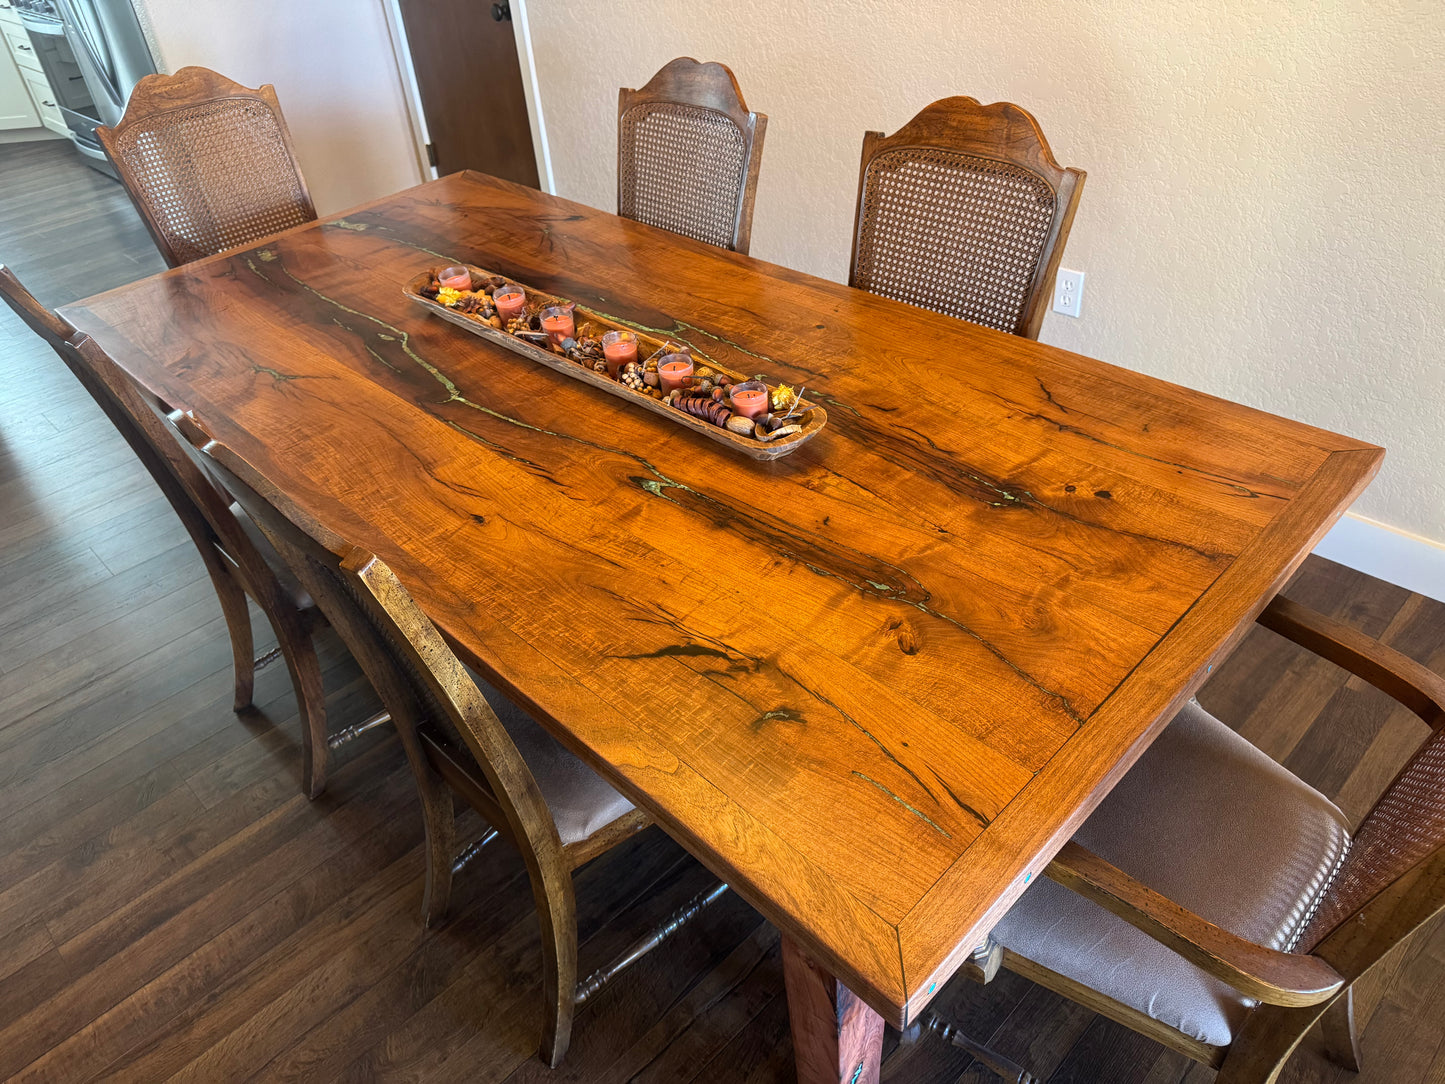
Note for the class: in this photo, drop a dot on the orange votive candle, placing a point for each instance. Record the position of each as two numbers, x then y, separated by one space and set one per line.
558 323
676 374
750 398
618 347
455 278
510 301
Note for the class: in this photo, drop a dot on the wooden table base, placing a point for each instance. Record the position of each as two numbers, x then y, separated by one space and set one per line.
837 1039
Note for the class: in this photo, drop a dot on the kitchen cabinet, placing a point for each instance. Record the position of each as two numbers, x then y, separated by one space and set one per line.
17 109
26 97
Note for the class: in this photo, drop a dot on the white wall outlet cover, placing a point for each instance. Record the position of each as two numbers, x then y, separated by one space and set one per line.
1068 292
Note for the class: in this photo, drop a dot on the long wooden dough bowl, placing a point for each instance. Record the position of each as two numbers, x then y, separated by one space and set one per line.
809 415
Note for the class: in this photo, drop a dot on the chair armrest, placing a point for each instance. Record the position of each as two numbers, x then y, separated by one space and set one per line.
1415 686
1271 976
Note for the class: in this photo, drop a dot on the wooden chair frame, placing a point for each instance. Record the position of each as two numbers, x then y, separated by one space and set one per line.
156 95
1001 132
713 86
1295 990
419 678
237 569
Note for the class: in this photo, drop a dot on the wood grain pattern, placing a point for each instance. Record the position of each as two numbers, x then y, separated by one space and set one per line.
876 685
837 1039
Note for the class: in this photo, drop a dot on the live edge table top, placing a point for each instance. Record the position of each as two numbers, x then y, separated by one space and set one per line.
876 684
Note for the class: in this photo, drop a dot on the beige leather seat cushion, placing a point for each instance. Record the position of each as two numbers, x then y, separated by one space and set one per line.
1211 822
581 801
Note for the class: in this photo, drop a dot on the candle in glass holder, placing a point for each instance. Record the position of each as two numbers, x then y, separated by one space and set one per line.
618 347
455 278
510 301
750 398
676 374
558 323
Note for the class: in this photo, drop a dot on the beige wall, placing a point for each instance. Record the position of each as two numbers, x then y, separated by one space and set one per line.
334 71
1263 217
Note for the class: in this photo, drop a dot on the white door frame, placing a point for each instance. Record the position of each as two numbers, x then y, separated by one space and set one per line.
406 75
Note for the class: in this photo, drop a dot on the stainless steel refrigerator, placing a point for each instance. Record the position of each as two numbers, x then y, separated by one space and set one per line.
93 53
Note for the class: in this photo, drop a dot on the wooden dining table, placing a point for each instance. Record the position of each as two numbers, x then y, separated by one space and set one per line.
876 684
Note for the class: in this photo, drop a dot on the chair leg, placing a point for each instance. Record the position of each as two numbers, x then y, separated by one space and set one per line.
300 655
439 816
1271 1033
557 912
1342 1041
238 623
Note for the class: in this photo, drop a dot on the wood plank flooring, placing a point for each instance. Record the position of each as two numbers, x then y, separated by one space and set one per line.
171 907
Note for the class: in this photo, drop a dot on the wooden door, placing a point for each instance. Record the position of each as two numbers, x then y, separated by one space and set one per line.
465 57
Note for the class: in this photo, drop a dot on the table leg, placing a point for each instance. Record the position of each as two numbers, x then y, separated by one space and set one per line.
837 1039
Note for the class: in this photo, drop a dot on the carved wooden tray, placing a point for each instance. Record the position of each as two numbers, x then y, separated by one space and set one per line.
811 416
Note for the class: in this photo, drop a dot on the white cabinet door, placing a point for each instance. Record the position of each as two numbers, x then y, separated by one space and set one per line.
16 108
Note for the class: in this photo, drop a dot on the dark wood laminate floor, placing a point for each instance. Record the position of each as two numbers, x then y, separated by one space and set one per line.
171 907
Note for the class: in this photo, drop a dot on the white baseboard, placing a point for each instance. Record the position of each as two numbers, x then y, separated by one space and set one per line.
1406 560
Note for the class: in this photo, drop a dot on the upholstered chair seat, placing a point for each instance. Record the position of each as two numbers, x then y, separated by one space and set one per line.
1212 823
581 801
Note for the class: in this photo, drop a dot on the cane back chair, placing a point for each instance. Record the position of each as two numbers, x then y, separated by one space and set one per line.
459 738
1219 904
964 211
688 152
238 559
207 162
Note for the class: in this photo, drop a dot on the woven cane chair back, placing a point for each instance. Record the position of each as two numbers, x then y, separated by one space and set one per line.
1406 826
420 680
688 152
964 211
207 162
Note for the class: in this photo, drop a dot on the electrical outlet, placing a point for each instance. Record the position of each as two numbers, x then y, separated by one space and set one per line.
1068 292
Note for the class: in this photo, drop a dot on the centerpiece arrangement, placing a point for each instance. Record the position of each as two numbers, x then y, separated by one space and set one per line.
762 420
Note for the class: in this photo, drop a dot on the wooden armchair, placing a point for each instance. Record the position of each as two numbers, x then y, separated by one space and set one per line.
462 737
1219 904
688 152
207 162
964 211
239 561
